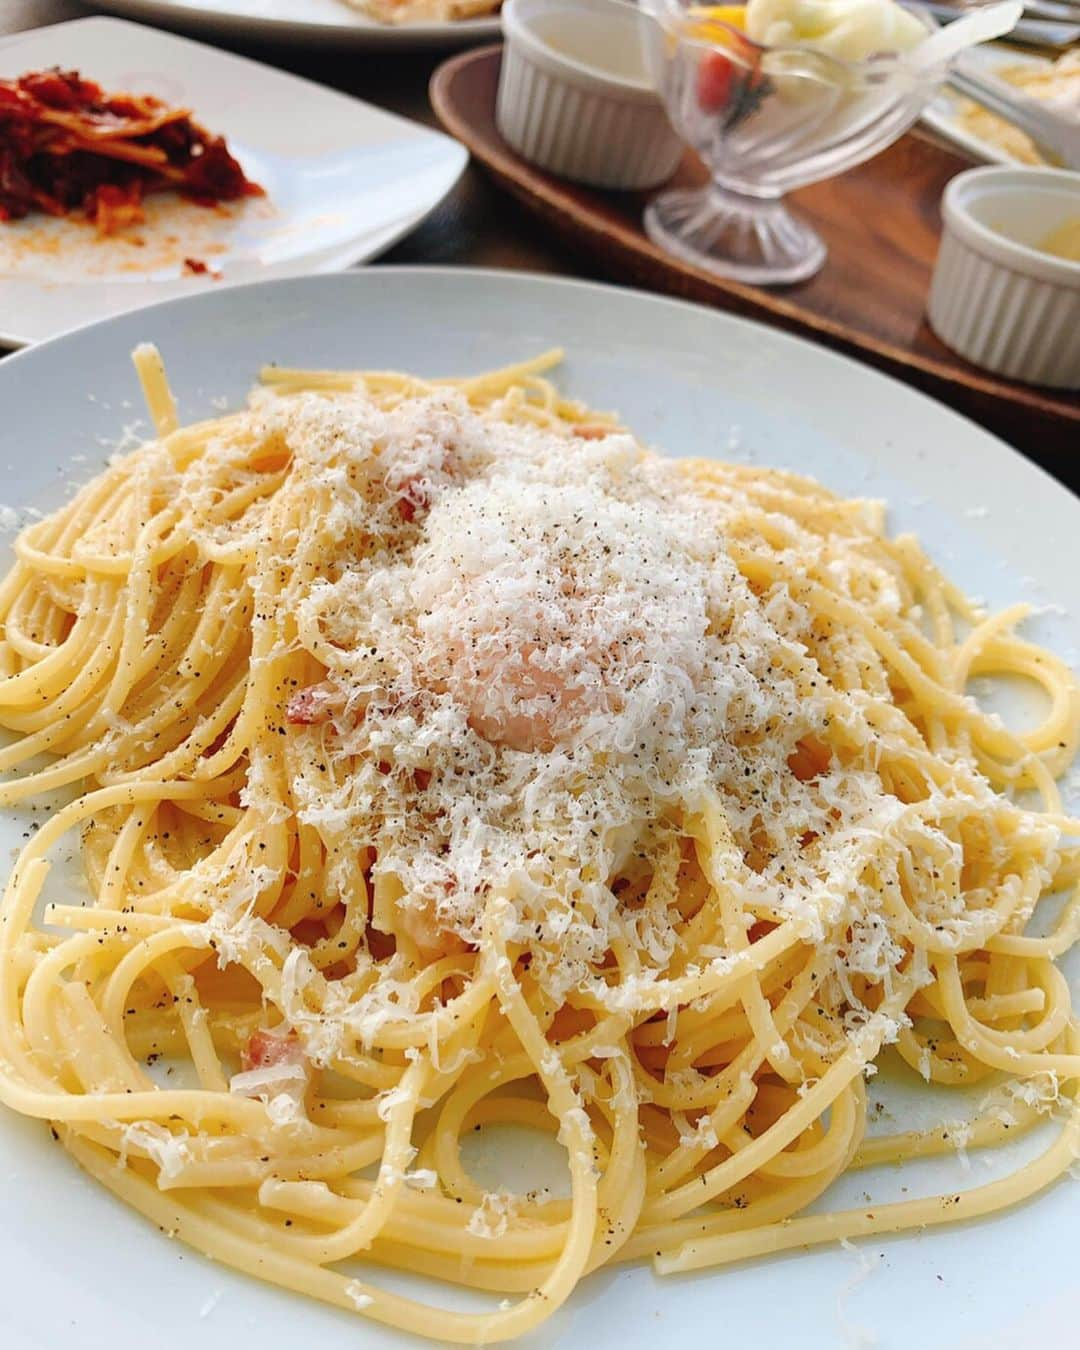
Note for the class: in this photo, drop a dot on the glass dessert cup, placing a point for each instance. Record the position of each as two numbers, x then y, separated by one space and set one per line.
766 120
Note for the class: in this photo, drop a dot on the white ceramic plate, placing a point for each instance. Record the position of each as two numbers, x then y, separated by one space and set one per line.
943 114
82 1271
344 181
310 22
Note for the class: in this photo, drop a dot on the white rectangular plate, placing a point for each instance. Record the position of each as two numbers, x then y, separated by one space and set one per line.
344 181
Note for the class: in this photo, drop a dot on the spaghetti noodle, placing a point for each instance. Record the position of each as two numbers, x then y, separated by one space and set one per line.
448 760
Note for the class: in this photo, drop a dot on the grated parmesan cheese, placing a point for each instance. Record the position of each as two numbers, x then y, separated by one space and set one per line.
541 658
357 1295
855 1336
169 1151
254 1082
554 641
491 1218
422 1179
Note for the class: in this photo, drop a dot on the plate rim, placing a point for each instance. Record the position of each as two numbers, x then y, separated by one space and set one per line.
1004 453
348 255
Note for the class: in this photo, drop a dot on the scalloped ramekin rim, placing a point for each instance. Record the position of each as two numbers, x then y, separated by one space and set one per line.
516 27
997 246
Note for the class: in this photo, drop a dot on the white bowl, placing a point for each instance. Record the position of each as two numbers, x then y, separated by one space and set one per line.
574 96
996 298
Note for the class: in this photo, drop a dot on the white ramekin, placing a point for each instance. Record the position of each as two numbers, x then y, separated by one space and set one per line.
574 97
996 298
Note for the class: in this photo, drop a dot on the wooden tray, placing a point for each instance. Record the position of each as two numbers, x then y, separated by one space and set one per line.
881 222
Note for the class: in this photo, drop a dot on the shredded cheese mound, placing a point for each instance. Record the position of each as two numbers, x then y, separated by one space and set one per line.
541 654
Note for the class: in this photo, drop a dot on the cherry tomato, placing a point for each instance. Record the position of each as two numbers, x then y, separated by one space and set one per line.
713 82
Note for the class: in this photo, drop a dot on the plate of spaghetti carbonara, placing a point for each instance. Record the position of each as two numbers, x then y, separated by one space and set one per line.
507 819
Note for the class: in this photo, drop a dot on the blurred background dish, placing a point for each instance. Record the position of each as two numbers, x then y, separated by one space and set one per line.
882 223
343 180
328 23
984 135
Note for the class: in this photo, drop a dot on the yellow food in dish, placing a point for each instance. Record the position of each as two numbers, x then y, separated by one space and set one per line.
1055 82
424 11
1064 242
706 19
444 759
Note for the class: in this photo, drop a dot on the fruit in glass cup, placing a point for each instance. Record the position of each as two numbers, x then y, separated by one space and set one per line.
774 95
732 85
